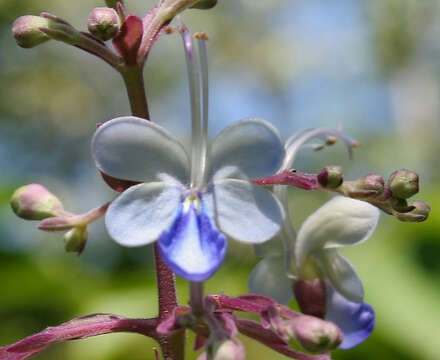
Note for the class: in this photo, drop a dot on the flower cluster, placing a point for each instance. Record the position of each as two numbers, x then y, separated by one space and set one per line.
189 202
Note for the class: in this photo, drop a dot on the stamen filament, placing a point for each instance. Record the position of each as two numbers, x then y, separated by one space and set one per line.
203 56
194 91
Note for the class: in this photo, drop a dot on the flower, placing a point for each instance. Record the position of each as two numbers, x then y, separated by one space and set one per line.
312 254
188 205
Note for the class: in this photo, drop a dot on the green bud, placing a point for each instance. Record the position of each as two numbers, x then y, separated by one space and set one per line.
204 4
103 23
26 30
314 334
418 214
75 239
35 202
113 3
400 205
331 176
404 183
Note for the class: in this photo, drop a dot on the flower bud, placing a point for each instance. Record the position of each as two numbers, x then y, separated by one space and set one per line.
404 183
26 30
314 334
231 349
331 176
371 185
35 202
75 239
204 4
400 205
418 214
103 23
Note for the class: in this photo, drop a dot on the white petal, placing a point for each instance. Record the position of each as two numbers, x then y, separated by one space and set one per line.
252 145
140 214
132 148
244 211
269 278
341 274
339 222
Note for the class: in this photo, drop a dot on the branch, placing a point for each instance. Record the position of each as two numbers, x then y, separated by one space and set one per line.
80 328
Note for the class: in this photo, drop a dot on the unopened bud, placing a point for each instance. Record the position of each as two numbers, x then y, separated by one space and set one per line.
404 183
103 23
35 202
331 176
372 182
418 214
75 239
55 224
26 30
314 334
400 205
231 349
204 4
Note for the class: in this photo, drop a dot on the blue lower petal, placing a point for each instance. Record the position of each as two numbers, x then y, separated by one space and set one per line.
193 247
356 320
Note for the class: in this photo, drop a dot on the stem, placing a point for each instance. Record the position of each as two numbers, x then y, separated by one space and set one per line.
134 83
196 293
172 346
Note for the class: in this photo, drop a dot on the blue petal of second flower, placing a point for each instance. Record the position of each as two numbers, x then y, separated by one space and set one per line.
355 320
193 247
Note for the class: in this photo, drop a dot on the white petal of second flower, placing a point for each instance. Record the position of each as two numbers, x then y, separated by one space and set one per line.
132 148
244 211
269 278
339 222
140 214
341 274
252 145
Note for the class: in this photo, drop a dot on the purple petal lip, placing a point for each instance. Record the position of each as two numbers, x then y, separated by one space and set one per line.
356 320
193 247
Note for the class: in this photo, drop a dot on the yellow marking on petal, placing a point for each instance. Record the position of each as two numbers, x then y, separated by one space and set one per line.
190 200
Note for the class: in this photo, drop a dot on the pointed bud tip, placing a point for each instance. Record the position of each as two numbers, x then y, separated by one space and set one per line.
35 202
103 23
26 30
404 183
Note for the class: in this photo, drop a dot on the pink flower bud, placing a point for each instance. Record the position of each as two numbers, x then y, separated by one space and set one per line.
231 349
103 23
314 334
26 30
35 202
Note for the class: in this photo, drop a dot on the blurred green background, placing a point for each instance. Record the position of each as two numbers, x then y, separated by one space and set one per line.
372 66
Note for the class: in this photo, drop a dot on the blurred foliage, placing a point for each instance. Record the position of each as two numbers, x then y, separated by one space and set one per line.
372 65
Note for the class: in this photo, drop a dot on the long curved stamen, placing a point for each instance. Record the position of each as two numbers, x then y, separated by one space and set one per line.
194 91
203 56
295 143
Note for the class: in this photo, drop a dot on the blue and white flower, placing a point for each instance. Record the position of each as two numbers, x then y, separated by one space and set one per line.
340 222
189 206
